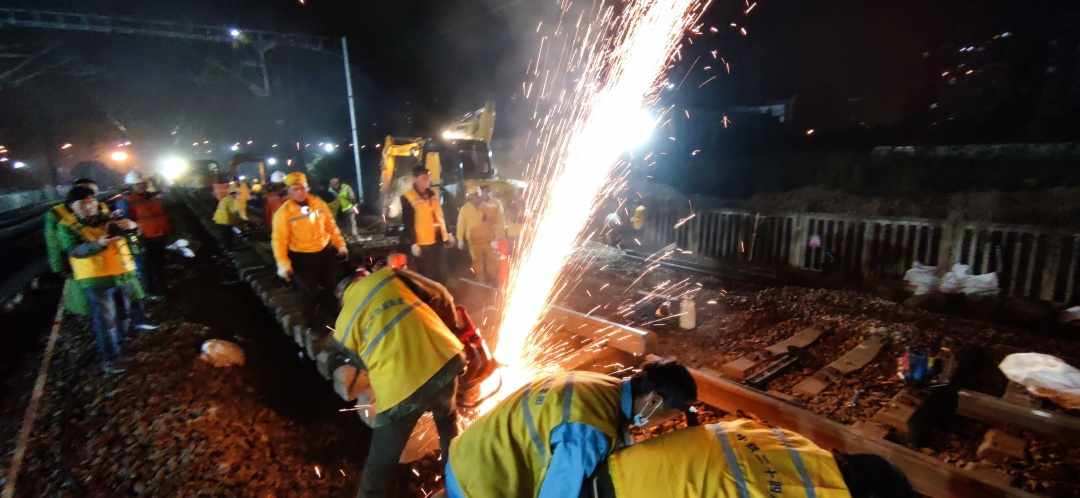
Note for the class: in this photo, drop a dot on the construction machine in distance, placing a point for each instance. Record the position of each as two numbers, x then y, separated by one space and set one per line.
458 162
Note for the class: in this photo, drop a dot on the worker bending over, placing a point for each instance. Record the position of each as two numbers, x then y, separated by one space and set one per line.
546 438
147 209
742 459
306 244
425 227
397 325
480 224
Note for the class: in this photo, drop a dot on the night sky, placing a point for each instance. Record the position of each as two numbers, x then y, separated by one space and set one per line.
420 63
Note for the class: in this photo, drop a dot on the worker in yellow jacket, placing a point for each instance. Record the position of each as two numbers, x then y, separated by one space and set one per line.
742 459
480 224
397 325
306 244
243 197
546 438
426 233
103 269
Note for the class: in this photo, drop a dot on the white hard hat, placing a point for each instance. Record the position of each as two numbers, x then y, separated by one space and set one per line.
277 177
133 178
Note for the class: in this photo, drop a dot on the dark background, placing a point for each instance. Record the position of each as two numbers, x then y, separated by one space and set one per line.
858 73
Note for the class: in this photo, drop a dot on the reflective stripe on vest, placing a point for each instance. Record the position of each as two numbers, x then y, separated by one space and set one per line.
515 436
799 465
400 339
732 461
736 459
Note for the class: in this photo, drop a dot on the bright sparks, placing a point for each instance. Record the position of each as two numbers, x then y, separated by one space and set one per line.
608 72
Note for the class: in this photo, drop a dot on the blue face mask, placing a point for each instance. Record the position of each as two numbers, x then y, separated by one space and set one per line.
641 419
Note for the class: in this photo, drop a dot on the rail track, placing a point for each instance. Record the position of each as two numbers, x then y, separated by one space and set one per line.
609 343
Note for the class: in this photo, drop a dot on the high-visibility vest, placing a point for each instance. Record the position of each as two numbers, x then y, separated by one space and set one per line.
428 219
116 259
343 196
221 190
638 220
401 341
515 436
737 459
149 214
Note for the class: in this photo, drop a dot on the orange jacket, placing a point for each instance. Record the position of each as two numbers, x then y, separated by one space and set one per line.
149 213
303 229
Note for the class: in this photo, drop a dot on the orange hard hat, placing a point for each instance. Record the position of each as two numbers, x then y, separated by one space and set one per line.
397 260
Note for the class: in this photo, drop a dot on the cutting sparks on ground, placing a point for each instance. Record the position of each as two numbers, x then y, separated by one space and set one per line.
596 85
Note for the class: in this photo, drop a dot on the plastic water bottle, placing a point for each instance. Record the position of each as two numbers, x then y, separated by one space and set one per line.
687 314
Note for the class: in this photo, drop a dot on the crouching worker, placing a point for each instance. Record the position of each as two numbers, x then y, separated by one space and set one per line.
229 215
545 439
397 325
102 266
742 459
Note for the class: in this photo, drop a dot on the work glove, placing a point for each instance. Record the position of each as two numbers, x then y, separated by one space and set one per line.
284 272
495 245
452 240
343 251
461 244
416 250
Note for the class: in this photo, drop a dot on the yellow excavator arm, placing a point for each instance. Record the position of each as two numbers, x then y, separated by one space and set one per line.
476 125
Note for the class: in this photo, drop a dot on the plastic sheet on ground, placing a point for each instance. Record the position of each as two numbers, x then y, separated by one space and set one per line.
1045 376
221 353
181 246
957 280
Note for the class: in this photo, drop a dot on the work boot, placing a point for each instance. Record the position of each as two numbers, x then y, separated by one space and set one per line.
147 326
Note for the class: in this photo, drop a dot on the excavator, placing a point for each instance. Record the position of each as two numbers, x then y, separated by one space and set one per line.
458 162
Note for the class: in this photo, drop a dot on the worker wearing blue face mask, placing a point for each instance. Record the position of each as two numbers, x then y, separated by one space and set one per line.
546 438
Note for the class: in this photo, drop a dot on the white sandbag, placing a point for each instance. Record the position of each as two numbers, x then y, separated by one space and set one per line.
922 277
221 353
1045 376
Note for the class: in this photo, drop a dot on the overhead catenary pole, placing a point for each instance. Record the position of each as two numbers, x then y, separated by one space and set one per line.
352 119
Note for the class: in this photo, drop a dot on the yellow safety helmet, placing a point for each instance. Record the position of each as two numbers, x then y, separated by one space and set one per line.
295 178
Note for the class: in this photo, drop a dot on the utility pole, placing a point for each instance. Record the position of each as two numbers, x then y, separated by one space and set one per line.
352 119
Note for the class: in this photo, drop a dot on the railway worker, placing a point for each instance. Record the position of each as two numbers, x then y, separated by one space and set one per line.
426 232
148 211
102 267
475 227
273 197
306 244
243 197
545 439
74 299
637 222
346 198
744 459
515 218
228 210
397 324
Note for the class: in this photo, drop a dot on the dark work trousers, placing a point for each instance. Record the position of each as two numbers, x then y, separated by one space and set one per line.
388 441
313 272
599 485
432 262
151 264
